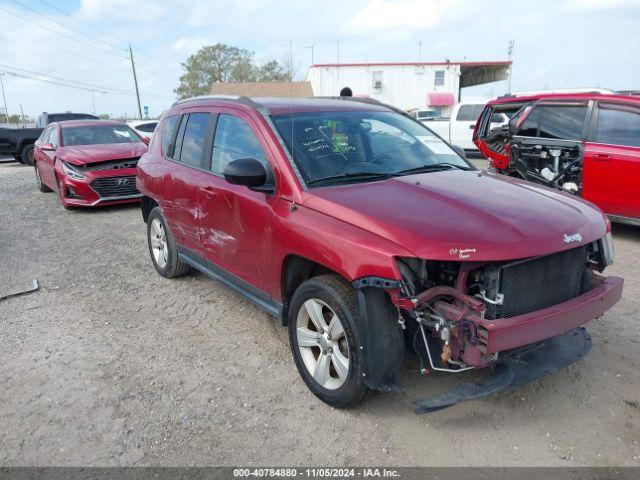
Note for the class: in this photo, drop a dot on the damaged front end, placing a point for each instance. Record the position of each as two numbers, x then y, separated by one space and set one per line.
520 318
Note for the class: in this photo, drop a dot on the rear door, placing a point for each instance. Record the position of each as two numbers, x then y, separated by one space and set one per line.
183 177
611 173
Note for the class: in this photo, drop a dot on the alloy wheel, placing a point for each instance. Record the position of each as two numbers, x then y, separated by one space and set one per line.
322 344
158 239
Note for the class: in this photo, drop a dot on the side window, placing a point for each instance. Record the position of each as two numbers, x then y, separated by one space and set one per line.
167 134
53 137
193 140
44 136
439 78
618 126
529 127
469 113
147 127
234 139
465 114
562 122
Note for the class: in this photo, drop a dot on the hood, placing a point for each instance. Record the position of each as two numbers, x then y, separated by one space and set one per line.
457 215
84 154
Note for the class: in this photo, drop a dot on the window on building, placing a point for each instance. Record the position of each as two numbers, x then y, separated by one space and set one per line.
439 78
193 140
376 78
618 126
234 140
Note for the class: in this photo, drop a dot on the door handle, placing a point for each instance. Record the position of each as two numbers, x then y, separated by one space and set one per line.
602 157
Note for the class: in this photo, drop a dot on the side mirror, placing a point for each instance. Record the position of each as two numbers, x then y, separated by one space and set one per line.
46 147
459 150
146 140
248 172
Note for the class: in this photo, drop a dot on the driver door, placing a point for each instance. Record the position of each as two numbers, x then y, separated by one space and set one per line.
46 158
234 222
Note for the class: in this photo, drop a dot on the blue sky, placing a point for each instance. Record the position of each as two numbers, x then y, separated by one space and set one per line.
559 44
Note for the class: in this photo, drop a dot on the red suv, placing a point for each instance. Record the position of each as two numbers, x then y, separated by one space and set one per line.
587 144
367 234
89 162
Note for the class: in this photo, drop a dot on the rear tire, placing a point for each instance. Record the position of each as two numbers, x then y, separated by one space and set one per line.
162 247
41 186
327 354
27 154
18 158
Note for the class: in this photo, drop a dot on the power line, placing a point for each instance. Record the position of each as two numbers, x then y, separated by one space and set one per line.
59 33
104 32
67 82
46 17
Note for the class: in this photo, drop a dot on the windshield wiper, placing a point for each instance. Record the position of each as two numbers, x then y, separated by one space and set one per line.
345 177
434 167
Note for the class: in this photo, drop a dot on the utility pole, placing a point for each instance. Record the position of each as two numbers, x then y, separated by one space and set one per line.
420 51
6 111
135 80
510 55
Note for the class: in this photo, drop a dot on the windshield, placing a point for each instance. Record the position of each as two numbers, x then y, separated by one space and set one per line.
326 145
98 134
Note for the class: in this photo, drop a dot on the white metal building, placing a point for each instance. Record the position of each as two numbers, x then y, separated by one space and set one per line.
434 85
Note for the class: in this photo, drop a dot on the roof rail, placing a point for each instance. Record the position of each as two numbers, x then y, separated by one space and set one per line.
233 98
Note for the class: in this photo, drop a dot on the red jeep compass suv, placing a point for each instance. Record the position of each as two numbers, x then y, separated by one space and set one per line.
587 144
367 235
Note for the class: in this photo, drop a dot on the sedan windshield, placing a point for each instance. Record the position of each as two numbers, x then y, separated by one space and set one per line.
98 134
355 146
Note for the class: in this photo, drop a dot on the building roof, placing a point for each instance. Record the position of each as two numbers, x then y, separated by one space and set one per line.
263 89
412 64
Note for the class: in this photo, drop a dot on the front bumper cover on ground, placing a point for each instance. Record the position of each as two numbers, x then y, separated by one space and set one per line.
516 368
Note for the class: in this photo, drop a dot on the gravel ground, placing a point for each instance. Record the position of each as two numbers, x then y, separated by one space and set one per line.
110 364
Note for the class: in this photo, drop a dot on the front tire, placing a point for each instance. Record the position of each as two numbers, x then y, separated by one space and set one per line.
162 247
324 343
18 158
27 154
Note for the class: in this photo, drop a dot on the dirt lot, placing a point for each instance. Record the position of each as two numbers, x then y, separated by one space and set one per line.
110 364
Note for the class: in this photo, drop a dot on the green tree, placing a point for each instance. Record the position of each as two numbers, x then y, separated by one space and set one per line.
224 63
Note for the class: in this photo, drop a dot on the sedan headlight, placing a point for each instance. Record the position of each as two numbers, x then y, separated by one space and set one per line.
72 172
606 244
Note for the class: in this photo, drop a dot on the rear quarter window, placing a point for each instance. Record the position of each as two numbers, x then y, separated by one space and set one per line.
618 126
167 134
193 139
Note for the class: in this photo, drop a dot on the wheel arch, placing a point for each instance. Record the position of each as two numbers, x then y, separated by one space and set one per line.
294 271
146 205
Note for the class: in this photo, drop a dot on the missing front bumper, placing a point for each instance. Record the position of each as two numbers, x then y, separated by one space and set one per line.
516 368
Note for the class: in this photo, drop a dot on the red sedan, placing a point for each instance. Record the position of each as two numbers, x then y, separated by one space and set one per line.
89 163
